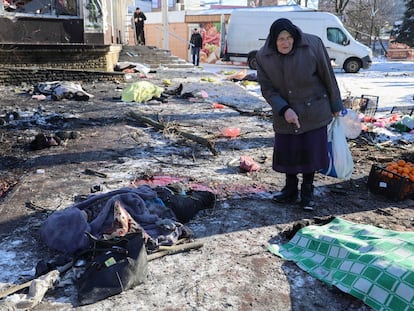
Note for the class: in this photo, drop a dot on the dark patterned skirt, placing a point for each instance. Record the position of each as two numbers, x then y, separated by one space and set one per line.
304 153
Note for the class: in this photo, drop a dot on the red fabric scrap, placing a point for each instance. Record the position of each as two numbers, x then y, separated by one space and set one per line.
217 106
231 132
248 164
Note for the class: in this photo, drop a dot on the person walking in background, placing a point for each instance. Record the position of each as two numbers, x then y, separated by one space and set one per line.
139 19
297 80
196 42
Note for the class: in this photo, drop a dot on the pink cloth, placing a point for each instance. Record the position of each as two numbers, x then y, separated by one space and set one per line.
248 164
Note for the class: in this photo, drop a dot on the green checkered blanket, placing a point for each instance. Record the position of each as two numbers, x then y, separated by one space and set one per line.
370 263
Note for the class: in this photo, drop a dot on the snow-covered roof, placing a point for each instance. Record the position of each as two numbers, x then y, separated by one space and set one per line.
279 8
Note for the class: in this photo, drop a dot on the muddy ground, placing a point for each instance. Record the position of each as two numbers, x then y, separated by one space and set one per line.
233 270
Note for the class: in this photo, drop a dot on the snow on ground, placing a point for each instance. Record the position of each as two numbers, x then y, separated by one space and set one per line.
393 81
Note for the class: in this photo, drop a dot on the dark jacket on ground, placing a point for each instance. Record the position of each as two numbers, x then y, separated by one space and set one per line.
303 79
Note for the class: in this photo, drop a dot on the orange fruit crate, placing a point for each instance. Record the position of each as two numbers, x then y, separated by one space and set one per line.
390 184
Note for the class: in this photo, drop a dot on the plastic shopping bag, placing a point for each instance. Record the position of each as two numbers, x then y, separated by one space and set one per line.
341 164
351 124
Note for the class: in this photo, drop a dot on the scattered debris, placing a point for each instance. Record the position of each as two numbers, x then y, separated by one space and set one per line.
89 171
247 164
59 90
130 67
162 127
42 141
231 132
233 259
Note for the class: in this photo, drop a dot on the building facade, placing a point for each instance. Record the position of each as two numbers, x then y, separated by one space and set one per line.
63 21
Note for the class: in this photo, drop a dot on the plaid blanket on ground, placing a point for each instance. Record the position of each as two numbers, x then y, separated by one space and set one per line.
370 263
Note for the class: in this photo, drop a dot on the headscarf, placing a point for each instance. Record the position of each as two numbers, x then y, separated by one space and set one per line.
277 27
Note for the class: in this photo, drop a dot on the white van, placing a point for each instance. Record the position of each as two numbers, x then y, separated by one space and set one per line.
249 28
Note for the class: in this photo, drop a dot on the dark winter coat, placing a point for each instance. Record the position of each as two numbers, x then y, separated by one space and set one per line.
303 79
139 19
196 40
64 230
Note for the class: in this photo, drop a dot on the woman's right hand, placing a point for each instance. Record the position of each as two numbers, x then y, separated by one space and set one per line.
292 117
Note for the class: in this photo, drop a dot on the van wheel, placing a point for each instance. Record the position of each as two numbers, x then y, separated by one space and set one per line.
251 60
352 65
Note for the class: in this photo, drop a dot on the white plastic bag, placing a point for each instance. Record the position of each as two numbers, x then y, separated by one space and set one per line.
341 164
351 124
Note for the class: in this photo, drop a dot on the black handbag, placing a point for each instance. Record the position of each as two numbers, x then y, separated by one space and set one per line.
112 266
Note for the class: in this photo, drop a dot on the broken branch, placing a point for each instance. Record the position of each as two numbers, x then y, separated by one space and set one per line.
248 113
174 249
16 288
160 126
164 251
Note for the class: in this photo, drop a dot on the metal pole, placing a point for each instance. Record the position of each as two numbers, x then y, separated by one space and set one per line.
164 8
112 22
165 23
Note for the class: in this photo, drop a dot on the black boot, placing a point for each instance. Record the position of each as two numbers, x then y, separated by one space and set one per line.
289 193
185 207
306 197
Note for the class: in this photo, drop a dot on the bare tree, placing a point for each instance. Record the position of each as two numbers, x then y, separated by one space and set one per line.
365 19
337 7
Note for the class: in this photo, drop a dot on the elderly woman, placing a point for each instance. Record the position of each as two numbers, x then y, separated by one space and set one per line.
298 82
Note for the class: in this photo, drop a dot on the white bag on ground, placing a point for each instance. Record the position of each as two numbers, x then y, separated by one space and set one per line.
341 164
